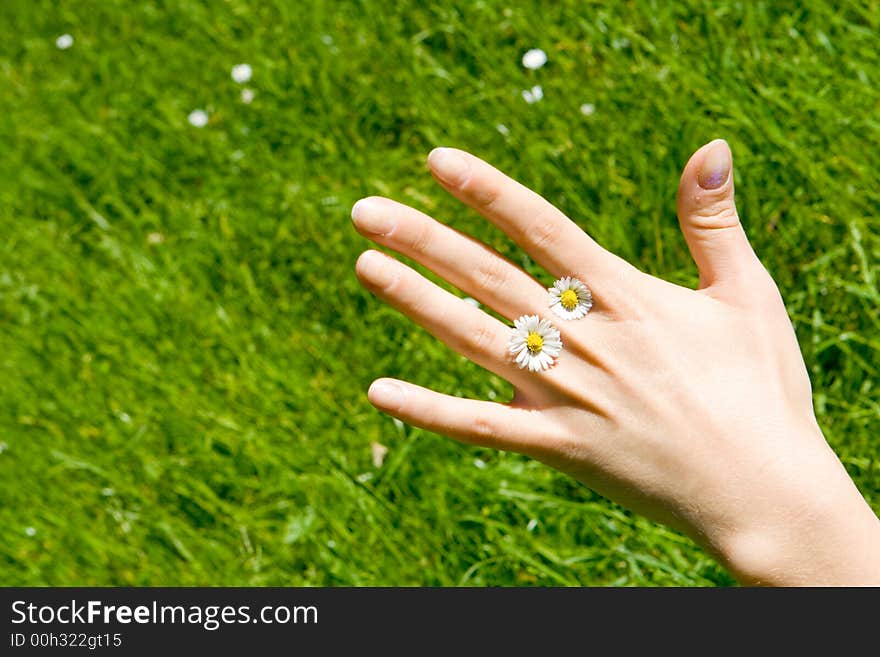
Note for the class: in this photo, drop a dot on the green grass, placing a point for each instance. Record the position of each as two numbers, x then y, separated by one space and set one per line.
192 411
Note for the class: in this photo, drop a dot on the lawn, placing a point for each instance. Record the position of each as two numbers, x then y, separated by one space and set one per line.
184 347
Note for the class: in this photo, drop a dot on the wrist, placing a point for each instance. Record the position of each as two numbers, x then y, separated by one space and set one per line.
823 534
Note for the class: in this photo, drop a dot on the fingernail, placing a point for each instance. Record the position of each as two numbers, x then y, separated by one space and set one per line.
376 268
386 394
448 165
369 215
715 167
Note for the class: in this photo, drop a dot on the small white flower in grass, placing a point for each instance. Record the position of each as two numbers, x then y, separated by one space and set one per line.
588 109
570 299
534 59
534 343
241 73
247 96
479 464
64 42
533 95
198 118
30 531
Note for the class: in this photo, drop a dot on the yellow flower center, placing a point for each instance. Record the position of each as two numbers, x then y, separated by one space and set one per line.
534 342
569 299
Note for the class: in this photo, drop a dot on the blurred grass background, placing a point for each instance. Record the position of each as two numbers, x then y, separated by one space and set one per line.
184 348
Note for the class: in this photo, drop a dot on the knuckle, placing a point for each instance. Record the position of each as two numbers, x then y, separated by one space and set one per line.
421 238
485 429
481 337
484 195
721 214
543 231
396 286
492 274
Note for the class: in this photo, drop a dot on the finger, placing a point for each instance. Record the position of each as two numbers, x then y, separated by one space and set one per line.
709 220
466 263
483 423
466 329
551 238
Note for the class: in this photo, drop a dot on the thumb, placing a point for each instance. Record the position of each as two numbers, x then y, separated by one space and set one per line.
709 220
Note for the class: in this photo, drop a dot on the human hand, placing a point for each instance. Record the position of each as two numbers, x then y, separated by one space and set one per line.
692 407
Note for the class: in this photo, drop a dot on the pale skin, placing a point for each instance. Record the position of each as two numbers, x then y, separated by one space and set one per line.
692 407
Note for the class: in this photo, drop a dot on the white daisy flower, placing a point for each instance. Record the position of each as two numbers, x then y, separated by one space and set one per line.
534 343
570 299
198 118
247 96
534 59
64 42
533 95
241 73
588 109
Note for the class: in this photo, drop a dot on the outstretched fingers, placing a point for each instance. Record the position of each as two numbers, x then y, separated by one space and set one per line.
471 266
543 231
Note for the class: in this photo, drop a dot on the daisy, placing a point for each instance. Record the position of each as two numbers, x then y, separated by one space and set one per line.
198 118
247 96
535 343
533 95
570 299
64 42
534 59
241 73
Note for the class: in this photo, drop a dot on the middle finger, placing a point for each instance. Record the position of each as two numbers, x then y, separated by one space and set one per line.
468 264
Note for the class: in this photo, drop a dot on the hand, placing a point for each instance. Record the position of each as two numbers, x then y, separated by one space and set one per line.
692 407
